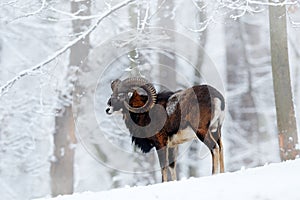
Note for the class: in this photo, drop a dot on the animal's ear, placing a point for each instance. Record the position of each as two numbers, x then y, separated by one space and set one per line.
114 84
133 94
130 94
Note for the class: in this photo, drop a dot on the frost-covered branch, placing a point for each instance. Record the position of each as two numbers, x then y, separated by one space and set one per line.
204 25
145 20
294 23
158 9
250 6
32 13
208 19
8 3
286 2
4 89
72 15
75 16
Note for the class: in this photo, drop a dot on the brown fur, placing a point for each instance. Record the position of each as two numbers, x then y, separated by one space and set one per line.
195 109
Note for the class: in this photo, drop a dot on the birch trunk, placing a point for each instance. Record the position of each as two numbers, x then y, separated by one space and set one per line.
286 121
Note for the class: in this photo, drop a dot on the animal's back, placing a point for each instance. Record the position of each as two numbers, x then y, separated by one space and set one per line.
194 107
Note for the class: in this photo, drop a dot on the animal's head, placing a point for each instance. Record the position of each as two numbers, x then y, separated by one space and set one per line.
122 94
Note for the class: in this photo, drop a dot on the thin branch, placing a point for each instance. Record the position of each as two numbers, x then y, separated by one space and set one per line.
198 7
272 4
158 9
145 20
204 25
4 89
8 3
244 11
206 22
246 6
75 16
294 24
31 13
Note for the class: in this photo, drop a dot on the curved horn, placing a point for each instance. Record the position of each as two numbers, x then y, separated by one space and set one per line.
129 83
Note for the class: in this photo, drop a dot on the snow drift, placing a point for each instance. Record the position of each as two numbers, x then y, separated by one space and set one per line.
270 182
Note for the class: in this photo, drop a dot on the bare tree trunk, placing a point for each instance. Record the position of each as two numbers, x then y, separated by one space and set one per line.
62 169
241 105
167 75
136 60
202 16
194 149
0 50
286 122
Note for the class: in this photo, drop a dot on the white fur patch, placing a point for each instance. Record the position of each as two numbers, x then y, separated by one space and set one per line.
111 111
172 104
218 115
182 136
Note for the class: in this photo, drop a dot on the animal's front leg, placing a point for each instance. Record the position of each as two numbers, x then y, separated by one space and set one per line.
173 151
163 161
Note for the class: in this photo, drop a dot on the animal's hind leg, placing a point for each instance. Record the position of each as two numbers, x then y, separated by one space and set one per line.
173 151
222 167
210 140
215 160
215 152
214 148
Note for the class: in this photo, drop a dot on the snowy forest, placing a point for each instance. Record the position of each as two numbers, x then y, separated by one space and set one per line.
58 59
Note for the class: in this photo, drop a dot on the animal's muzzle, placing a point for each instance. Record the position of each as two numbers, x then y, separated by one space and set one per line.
109 110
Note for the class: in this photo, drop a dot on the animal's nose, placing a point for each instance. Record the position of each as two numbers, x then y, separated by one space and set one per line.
108 111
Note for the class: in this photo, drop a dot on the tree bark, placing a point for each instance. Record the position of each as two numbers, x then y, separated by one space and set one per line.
62 168
242 144
137 60
167 73
202 16
286 121
193 167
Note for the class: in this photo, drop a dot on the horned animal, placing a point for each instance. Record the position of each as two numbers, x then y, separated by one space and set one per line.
166 119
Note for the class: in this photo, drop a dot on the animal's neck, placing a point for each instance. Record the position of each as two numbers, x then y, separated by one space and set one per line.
137 100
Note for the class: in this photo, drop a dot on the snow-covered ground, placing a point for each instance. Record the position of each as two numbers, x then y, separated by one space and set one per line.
270 182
